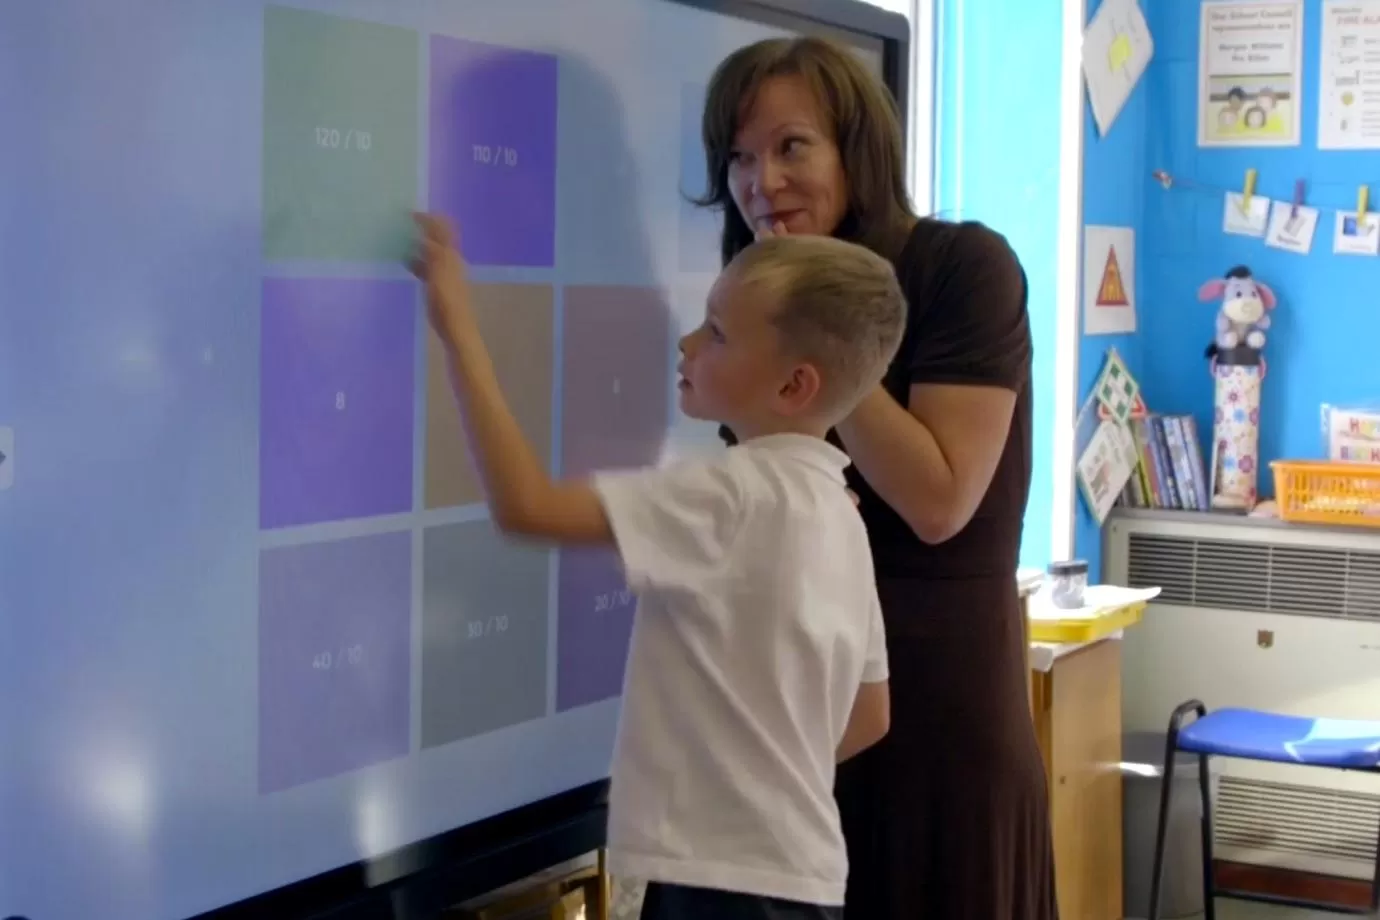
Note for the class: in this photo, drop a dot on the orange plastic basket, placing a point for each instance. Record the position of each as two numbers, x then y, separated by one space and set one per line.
1327 492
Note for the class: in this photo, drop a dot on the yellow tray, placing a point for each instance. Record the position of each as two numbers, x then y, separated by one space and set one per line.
1086 629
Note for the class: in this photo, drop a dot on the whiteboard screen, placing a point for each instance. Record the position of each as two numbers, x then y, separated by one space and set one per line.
254 622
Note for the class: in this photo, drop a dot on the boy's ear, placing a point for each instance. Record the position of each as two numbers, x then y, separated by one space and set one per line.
800 391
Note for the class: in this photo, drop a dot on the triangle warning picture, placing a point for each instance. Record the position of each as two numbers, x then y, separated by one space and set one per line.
1112 292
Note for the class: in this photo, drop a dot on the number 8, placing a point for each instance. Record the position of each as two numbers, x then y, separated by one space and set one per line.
340 399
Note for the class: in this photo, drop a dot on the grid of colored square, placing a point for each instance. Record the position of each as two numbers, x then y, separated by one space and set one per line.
343 122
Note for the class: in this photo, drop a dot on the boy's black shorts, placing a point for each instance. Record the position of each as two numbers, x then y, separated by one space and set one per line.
677 902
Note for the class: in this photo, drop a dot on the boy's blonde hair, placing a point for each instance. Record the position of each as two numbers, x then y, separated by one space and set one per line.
838 306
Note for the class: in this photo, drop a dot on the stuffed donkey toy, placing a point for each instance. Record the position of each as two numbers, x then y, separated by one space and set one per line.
1243 315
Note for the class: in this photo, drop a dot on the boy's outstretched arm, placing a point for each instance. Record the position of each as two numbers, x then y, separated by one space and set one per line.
523 499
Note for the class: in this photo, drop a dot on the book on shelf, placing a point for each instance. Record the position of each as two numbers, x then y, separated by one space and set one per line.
1171 472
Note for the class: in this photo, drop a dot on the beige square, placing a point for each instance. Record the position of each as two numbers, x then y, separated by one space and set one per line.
516 322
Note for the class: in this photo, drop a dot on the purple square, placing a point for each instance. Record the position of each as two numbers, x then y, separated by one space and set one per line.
336 400
594 626
615 377
335 657
493 150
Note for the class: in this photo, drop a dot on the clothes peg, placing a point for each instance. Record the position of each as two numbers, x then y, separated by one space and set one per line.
1163 178
1248 192
1362 203
1298 198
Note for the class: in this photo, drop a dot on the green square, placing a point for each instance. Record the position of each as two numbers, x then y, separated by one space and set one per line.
341 138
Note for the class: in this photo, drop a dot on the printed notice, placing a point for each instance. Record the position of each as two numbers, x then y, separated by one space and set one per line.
1249 74
1349 76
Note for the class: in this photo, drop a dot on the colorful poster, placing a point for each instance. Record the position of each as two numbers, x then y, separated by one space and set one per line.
1250 73
1349 76
1109 280
1104 467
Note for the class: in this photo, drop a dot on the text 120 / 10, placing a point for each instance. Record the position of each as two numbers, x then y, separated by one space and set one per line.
349 139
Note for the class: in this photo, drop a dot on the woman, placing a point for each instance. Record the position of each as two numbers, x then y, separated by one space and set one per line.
947 819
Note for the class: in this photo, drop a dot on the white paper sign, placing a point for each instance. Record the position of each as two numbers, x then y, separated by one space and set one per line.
1250 67
1353 435
1109 280
1289 230
1354 236
1117 47
1349 76
1243 219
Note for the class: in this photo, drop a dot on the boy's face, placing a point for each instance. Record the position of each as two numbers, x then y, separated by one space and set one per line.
734 370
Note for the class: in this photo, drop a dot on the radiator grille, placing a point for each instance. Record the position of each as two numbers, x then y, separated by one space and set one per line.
1301 820
1257 577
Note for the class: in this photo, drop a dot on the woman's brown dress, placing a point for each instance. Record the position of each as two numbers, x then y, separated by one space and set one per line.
948 817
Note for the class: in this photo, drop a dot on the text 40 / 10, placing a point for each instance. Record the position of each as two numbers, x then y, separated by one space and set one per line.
349 139
495 156
325 661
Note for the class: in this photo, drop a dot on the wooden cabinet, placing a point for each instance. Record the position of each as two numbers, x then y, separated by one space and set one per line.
1076 706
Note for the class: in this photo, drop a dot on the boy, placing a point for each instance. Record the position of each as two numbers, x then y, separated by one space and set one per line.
758 658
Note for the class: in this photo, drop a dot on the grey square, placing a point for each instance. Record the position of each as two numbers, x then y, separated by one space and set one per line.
485 626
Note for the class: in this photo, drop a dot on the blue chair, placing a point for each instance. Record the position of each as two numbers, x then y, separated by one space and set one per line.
1250 735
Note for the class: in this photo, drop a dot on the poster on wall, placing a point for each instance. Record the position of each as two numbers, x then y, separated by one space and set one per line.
1349 76
1250 73
1117 48
1109 280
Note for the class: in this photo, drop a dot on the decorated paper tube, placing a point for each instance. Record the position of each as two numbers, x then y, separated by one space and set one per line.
1236 435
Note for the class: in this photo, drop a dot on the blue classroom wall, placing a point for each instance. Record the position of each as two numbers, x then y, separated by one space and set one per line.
1328 312
997 80
1116 185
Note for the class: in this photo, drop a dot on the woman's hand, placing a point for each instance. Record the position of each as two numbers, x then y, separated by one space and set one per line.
776 229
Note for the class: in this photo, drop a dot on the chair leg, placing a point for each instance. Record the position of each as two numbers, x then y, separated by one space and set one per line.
1171 748
1162 826
1205 792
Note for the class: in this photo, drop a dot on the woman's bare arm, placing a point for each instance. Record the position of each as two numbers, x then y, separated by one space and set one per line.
933 459
934 462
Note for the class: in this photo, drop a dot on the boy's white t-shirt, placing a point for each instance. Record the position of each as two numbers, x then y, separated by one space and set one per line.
757 621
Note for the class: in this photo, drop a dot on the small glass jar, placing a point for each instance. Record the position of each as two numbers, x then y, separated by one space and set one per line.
1067 582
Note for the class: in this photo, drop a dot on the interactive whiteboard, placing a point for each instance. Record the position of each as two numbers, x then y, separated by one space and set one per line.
256 624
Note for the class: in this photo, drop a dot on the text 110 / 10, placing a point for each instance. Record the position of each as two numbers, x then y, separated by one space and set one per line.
349 139
495 156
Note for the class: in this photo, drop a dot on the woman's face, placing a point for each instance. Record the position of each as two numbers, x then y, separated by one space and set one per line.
785 166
